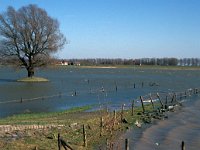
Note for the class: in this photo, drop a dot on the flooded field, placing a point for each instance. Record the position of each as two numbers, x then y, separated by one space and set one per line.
72 87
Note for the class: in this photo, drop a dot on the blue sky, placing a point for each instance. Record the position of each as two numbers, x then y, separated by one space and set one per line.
124 28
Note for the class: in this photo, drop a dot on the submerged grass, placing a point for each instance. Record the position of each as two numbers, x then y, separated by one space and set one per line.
33 79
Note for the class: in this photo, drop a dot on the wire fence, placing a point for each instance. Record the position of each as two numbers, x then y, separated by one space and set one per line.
95 91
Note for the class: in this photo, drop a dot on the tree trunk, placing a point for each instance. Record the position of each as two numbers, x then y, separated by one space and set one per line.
30 72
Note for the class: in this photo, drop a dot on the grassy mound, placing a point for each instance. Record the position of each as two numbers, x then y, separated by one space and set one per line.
33 79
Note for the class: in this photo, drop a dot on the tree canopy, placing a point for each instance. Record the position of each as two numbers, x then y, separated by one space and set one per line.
30 35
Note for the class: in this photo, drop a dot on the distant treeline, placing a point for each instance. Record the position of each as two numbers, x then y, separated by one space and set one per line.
141 61
119 61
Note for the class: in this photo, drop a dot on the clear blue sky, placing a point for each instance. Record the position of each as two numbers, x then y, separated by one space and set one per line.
124 28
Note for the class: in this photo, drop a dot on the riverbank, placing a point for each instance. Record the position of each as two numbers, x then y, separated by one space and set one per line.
39 131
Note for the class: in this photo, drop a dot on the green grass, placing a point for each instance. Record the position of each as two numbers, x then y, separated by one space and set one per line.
73 135
16 119
33 79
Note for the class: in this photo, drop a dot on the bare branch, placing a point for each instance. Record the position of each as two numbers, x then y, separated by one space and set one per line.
29 34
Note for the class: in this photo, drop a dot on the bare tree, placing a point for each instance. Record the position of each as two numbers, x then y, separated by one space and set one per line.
29 35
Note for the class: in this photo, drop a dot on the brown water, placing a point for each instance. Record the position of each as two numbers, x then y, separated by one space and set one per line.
182 125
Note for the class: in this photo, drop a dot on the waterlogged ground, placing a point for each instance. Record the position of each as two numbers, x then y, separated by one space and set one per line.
71 87
181 125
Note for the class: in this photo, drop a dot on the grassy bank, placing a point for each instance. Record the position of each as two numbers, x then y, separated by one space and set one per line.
69 124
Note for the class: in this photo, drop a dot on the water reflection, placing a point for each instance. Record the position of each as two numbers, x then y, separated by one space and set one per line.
7 80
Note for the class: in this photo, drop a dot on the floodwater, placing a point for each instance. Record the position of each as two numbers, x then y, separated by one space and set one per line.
182 125
72 87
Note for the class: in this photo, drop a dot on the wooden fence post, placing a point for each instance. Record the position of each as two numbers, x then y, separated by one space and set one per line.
185 94
141 99
190 92
172 99
151 101
59 142
196 91
175 97
122 113
132 108
182 145
101 126
84 137
166 102
115 116
126 144
160 100
180 95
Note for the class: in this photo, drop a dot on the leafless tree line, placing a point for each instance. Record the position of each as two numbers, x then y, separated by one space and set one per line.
141 61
